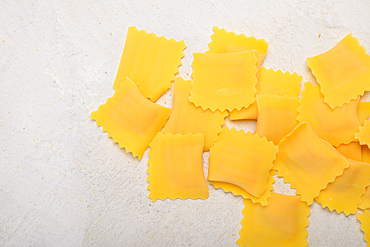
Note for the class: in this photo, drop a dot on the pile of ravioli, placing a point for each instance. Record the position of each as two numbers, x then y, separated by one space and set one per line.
319 142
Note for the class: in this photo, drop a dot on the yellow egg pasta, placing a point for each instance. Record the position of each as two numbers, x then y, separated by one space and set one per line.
343 72
345 193
237 191
353 150
336 126
364 218
187 118
365 199
283 222
150 61
277 116
242 159
365 157
130 119
230 42
307 162
363 111
270 82
363 136
175 167
224 81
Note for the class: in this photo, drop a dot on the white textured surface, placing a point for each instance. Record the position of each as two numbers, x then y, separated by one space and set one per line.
64 183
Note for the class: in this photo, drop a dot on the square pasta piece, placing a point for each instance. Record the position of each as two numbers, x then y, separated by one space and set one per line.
150 61
187 118
277 116
345 193
365 199
130 119
238 191
224 81
363 136
175 167
364 218
353 150
230 42
242 159
363 111
283 222
270 82
308 162
336 126
342 72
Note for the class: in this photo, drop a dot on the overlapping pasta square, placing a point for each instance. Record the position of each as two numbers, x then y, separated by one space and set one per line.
175 167
307 162
277 116
270 82
150 61
337 126
130 119
283 222
343 72
242 159
345 193
224 81
365 199
363 111
187 118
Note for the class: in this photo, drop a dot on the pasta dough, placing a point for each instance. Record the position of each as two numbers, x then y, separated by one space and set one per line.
307 162
364 218
175 167
130 119
242 159
343 72
282 223
143 62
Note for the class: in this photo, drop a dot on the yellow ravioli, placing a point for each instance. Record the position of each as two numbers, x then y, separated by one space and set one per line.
345 193
277 116
364 218
175 167
342 72
353 150
365 199
224 81
365 154
150 61
242 159
187 118
363 136
337 125
307 162
270 82
237 191
130 119
363 111
230 42
283 222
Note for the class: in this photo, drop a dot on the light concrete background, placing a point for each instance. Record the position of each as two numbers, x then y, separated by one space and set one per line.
64 183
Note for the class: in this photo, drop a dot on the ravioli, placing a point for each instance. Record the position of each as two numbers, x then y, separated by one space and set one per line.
343 72
365 199
175 167
363 136
344 194
187 118
307 162
130 119
283 222
224 81
150 61
353 150
364 218
337 126
242 159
